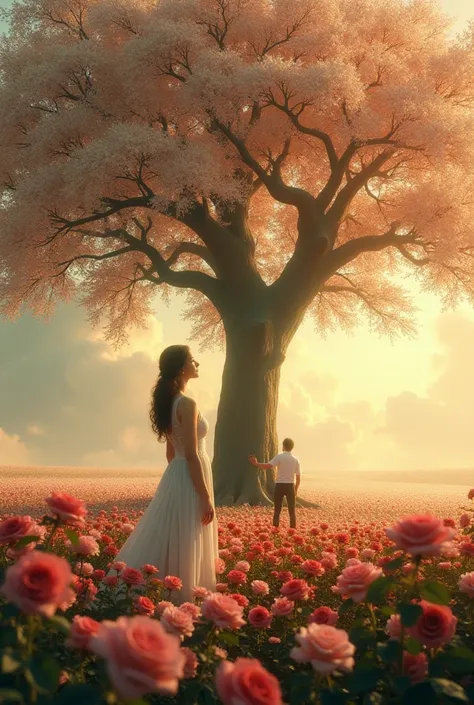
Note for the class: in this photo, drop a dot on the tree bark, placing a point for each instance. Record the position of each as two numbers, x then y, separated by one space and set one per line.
246 417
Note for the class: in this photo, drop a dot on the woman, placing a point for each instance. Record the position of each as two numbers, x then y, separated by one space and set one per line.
178 531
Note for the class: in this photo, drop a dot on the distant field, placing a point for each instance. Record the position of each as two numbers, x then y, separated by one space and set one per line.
343 498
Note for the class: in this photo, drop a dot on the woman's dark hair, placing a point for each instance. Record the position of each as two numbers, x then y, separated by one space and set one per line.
172 360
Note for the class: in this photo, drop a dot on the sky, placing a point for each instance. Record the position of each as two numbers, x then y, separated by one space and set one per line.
351 402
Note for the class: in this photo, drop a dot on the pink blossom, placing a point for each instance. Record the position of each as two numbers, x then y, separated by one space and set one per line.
247 682
295 589
141 656
15 528
81 632
67 508
326 648
177 621
260 617
259 587
415 667
39 583
323 615
144 605
435 627
171 582
132 576
191 662
313 568
466 584
223 611
86 546
282 607
420 535
355 580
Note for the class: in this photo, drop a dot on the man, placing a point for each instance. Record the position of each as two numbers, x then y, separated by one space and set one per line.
288 467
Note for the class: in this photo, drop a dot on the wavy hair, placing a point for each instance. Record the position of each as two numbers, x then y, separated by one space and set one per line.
171 363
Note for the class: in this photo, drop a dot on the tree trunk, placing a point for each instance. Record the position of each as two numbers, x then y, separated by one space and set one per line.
246 417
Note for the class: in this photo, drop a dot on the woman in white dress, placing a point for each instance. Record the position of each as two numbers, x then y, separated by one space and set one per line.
178 531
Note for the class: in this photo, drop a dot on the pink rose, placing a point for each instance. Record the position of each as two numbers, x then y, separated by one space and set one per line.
118 566
171 582
86 546
295 589
39 583
466 584
132 576
394 627
435 627
282 607
329 562
144 605
259 587
260 617
355 580
223 611
17 527
240 599
191 662
110 580
326 648
415 667
470 494
200 592
368 553
323 615
236 577
247 682
141 657
191 609
464 520
67 508
82 630
313 568
98 574
177 621
421 535
161 606
149 569
243 566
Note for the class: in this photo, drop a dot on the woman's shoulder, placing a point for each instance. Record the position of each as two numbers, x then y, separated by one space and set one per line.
186 404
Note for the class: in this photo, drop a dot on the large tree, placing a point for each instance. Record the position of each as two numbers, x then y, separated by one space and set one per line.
273 157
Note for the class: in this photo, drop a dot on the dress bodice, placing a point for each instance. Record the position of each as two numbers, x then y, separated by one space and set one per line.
177 437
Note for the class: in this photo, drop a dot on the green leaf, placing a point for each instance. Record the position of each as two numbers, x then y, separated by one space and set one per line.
44 672
420 694
373 699
389 652
72 536
458 661
364 679
10 696
360 635
402 683
229 638
78 694
25 540
379 589
449 689
61 624
329 697
412 646
435 592
409 614
345 606
9 663
396 563
9 611
386 610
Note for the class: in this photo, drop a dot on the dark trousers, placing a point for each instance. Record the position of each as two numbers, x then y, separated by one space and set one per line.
285 489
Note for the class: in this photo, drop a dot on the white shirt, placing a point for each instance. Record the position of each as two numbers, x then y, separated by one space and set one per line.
287 466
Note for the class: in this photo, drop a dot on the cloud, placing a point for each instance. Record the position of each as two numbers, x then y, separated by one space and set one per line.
13 450
436 430
70 399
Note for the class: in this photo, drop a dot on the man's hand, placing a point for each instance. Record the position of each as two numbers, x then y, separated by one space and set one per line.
253 460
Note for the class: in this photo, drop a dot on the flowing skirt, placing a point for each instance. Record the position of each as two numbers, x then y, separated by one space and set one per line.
170 534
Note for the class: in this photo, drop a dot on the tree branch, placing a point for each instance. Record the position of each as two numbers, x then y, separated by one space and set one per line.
192 248
348 251
273 181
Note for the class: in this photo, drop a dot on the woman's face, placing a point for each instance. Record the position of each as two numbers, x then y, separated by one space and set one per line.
191 367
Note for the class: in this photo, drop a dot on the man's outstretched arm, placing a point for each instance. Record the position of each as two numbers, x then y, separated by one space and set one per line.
262 466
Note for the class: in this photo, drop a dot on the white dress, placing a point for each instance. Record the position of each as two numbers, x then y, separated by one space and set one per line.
170 534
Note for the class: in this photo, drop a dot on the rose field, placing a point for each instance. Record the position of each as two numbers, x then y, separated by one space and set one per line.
349 610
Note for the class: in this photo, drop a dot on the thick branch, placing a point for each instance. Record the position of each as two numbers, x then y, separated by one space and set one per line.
273 181
192 248
350 250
